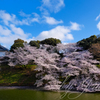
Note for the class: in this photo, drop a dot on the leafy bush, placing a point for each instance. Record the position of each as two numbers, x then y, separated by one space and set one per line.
51 41
86 43
98 40
35 43
92 44
98 66
17 43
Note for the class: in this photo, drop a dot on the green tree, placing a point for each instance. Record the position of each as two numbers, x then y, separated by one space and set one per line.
51 41
17 43
86 43
35 43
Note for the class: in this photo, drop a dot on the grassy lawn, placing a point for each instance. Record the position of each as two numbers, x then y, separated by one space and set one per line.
17 76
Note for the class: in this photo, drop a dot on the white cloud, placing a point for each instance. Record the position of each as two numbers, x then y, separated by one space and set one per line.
18 31
23 14
97 17
53 5
7 36
98 26
52 21
36 15
8 19
60 32
74 26
34 20
12 19
44 11
4 31
10 32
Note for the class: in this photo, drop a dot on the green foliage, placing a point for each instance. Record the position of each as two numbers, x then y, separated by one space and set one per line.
38 41
23 67
51 41
35 43
92 44
98 40
86 43
16 76
17 43
98 66
14 46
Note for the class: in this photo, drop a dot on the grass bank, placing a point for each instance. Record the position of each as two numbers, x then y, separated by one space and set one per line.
18 76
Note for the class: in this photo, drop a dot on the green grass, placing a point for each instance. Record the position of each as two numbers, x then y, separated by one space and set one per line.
17 76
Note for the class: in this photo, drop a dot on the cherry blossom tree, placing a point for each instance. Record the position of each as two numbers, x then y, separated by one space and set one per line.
82 65
45 61
75 62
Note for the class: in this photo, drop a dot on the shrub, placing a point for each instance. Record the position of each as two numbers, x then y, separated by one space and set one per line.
86 43
17 43
51 41
98 40
34 43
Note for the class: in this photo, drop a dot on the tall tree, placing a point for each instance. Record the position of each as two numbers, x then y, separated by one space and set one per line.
17 43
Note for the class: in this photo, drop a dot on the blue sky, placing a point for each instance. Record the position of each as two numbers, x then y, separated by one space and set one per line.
67 20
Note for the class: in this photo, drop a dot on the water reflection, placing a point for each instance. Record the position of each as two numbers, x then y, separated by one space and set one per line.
42 95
